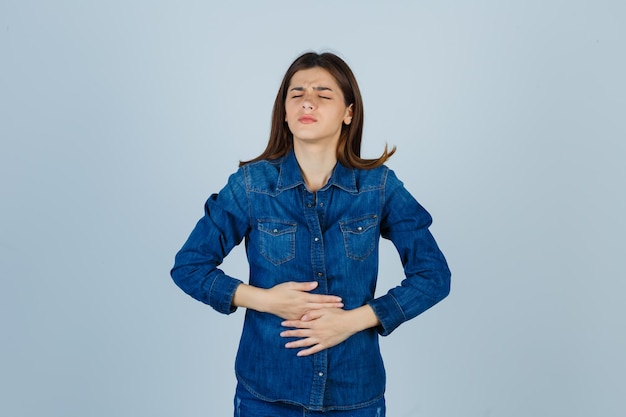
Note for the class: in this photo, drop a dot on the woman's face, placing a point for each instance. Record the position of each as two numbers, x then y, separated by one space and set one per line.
315 108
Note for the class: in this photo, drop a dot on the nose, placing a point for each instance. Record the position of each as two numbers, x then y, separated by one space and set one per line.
308 102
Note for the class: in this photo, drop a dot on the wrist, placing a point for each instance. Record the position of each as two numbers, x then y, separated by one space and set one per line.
364 318
248 296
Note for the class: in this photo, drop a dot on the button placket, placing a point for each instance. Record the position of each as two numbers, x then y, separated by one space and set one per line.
314 207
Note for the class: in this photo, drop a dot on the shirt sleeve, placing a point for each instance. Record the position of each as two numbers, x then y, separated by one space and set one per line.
427 276
223 226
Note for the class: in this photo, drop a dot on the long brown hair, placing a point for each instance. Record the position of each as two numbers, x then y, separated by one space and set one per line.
349 146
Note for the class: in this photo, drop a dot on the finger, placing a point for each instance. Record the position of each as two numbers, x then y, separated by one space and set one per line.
296 324
324 299
301 343
296 333
318 306
311 315
290 323
312 350
304 286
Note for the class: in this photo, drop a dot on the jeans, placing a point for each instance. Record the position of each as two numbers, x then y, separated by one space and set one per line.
247 405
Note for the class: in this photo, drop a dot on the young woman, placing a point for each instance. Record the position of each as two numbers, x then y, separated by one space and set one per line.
311 211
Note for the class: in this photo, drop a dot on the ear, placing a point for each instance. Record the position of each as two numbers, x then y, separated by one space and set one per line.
347 119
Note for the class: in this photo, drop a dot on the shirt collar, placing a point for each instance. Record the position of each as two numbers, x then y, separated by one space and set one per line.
290 175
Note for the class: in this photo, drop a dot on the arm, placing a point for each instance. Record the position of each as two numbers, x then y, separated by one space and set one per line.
427 276
224 225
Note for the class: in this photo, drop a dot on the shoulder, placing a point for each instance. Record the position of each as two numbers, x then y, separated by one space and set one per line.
265 166
379 177
385 180
261 175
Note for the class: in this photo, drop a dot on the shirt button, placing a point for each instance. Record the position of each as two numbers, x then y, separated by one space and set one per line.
309 205
320 374
319 274
321 204
359 228
275 230
316 239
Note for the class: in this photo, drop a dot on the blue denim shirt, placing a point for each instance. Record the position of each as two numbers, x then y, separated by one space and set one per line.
332 237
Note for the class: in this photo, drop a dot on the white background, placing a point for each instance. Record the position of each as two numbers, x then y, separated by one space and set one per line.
119 118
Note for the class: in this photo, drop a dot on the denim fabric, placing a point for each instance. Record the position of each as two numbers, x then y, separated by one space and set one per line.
247 405
332 237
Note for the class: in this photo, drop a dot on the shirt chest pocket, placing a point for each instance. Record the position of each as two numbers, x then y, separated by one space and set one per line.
277 240
359 236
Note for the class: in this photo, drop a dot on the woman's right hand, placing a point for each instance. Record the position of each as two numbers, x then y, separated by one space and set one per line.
288 300
293 299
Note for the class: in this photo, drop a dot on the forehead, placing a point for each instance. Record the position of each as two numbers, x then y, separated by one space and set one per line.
314 77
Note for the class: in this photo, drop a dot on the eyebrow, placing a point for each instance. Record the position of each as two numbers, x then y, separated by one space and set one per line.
314 88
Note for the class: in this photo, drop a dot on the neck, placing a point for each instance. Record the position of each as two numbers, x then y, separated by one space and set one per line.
316 164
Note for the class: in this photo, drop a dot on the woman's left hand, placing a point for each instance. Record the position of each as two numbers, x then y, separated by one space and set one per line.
324 328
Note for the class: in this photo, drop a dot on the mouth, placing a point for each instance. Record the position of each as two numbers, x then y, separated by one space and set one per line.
306 119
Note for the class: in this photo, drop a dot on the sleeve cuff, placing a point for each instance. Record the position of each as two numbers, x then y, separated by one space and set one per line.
222 292
388 312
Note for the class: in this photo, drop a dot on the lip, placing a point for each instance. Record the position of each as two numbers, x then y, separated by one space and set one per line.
306 119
